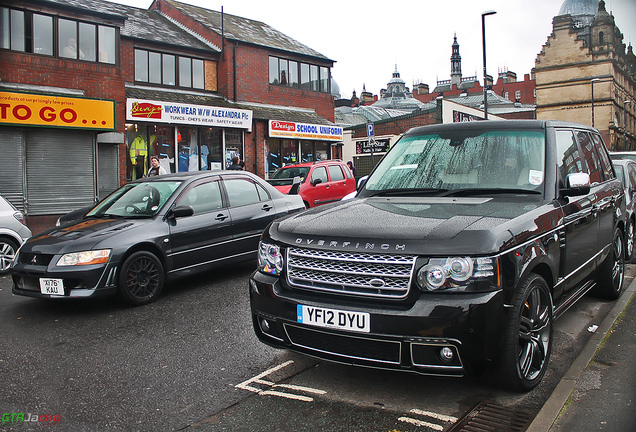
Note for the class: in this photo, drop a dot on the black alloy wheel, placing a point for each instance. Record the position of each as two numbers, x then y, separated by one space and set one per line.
528 340
141 278
609 281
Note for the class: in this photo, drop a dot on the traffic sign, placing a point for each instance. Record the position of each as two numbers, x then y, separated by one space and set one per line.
370 130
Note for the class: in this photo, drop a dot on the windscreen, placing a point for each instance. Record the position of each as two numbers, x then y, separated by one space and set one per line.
443 163
136 200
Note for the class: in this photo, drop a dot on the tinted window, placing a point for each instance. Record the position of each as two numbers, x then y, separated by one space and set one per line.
335 172
241 192
590 156
568 156
203 197
606 162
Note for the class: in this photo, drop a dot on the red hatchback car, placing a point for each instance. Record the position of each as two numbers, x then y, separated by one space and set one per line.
320 182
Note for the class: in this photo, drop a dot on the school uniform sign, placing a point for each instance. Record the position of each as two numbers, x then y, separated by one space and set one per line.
287 129
179 113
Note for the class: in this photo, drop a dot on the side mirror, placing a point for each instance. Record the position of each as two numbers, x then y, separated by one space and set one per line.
295 186
181 211
576 184
315 182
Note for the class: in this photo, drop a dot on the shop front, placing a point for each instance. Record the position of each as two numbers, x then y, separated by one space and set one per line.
185 137
292 142
59 152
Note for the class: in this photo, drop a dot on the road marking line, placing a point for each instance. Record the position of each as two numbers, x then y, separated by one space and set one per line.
441 417
286 395
258 379
421 423
301 388
245 384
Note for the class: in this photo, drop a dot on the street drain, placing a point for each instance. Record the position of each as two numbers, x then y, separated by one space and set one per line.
486 417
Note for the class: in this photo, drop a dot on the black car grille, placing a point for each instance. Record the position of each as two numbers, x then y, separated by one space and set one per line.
355 274
35 259
351 347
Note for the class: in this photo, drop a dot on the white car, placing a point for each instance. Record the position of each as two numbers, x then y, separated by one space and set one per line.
13 232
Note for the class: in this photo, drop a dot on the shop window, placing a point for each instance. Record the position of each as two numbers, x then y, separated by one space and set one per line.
233 146
211 149
35 33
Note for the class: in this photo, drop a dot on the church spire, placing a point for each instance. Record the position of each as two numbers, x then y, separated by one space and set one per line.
456 64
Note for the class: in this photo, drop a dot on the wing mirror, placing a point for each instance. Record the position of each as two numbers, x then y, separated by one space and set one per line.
576 184
295 186
316 181
181 211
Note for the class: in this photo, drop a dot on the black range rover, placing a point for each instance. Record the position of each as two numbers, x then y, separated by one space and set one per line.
464 245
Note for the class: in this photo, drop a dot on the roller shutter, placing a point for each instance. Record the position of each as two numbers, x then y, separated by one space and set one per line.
11 166
107 169
60 167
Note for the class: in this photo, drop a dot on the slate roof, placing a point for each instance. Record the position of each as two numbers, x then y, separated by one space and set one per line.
245 30
139 23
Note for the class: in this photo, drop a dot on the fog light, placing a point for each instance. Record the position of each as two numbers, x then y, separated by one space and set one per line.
264 325
446 354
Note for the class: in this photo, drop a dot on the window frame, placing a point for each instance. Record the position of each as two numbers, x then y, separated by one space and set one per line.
156 67
298 74
21 36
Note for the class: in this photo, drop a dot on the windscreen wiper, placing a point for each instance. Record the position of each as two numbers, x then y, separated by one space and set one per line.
485 191
410 192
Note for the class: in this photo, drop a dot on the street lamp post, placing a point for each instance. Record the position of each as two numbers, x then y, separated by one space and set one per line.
592 81
483 42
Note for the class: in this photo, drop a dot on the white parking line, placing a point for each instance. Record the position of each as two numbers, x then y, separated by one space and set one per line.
432 415
258 379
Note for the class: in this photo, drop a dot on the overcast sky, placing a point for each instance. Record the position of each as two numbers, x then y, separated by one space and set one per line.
368 39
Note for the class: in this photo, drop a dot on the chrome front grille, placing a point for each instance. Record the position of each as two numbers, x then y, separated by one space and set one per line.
354 274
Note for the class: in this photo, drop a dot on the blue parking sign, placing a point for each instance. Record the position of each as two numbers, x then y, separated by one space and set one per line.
370 130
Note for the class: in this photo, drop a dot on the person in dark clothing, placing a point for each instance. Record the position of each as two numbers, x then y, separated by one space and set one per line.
235 164
352 168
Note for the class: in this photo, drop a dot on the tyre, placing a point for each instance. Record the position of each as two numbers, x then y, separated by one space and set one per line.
629 241
528 337
609 279
141 278
8 248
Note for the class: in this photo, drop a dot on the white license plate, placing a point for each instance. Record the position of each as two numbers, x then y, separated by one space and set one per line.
51 286
333 318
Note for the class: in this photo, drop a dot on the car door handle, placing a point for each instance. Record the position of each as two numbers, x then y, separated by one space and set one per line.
221 217
266 207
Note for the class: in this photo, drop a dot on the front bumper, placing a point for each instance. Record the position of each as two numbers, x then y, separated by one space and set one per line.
79 281
410 338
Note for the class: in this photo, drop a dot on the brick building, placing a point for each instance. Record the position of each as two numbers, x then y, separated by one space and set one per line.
89 90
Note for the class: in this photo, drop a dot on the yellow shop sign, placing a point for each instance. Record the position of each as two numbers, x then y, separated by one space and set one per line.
53 111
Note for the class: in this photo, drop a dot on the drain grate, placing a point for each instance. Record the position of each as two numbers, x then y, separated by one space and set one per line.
486 417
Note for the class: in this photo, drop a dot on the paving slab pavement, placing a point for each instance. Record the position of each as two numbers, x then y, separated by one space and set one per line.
598 393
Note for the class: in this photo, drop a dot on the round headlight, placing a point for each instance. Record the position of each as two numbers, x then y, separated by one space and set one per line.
432 277
460 269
